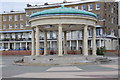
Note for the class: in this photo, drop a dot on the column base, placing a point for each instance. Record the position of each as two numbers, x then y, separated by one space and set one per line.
85 55
45 54
60 55
94 55
37 55
32 55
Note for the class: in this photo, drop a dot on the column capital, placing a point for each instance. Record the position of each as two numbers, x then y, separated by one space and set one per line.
45 31
93 27
85 25
59 25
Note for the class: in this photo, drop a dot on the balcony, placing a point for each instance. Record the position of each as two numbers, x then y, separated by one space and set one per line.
16 39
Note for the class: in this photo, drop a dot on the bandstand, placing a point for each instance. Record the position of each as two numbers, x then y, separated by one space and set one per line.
63 20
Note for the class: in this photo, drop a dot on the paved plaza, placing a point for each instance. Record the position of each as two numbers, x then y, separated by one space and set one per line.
10 70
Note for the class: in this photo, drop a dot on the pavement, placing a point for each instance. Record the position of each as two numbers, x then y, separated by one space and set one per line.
10 70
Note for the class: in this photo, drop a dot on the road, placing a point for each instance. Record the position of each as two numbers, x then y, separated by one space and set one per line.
10 70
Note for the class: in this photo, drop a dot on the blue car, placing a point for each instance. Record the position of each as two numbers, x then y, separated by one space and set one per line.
20 49
41 48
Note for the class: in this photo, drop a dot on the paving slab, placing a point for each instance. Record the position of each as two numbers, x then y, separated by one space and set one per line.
67 68
66 74
110 66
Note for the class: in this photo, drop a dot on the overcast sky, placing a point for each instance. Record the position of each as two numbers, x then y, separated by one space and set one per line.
19 5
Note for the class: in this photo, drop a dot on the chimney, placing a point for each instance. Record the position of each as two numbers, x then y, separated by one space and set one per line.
28 5
65 1
46 3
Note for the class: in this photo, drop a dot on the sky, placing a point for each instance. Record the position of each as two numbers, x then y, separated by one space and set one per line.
19 5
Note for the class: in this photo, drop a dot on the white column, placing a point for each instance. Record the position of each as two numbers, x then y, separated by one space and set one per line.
2 44
20 44
112 45
8 45
99 42
77 45
37 41
26 45
65 43
94 41
70 44
90 43
45 42
14 45
82 40
60 40
85 41
70 39
33 42
51 44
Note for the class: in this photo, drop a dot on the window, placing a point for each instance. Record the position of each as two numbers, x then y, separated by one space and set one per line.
21 17
34 11
27 14
97 43
10 18
83 7
51 35
98 6
4 18
89 33
72 34
27 23
98 32
90 7
21 26
16 18
76 7
4 26
112 10
16 26
10 26
98 16
112 20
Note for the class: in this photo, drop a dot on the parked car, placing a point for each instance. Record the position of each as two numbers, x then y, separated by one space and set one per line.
41 48
19 49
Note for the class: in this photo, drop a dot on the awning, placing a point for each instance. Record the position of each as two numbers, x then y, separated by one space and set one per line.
15 31
98 26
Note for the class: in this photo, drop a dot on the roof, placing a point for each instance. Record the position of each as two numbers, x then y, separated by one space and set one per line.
58 4
15 12
15 31
62 10
99 26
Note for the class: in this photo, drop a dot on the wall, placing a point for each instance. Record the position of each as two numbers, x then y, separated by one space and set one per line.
28 52
111 44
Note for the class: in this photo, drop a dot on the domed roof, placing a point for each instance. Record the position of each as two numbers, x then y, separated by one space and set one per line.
62 10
